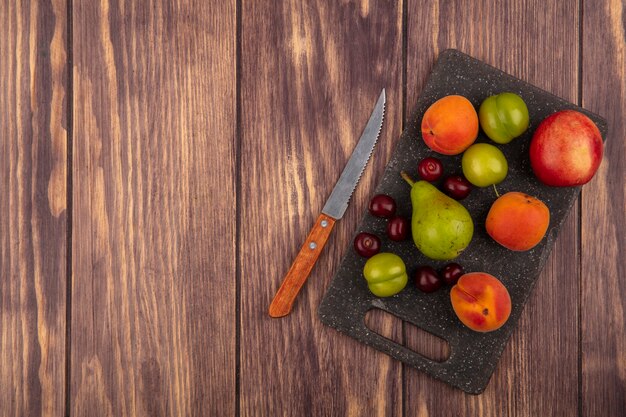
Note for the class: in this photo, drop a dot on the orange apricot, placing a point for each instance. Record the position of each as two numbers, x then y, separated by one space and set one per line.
481 301
450 125
517 221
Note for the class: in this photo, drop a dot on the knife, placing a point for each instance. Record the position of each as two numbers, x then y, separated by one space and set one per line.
333 210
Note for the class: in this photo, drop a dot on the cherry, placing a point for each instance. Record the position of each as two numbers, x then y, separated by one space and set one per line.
457 187
366 244
451 273
397 228
382 205
430 169
427 279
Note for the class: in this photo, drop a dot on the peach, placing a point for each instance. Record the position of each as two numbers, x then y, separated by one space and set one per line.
566 149
481 301
517 221
450 125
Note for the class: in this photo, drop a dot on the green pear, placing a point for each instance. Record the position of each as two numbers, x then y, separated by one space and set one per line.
441 227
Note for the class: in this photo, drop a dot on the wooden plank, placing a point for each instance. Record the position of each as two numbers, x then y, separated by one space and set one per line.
537 374
33 225
311 74
153 296
603 225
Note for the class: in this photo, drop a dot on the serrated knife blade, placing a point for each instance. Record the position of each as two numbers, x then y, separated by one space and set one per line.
333 210
337 203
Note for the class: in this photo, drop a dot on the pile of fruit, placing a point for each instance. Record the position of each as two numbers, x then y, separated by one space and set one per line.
565 150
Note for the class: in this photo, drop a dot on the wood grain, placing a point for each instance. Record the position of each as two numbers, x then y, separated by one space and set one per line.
603 222
153 311
311 74
33 225
537 374
176 213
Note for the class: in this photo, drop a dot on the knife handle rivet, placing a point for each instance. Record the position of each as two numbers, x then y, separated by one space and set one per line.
312 245
324 223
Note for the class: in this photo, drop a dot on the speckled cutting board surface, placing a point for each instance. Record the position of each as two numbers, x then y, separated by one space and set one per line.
473 356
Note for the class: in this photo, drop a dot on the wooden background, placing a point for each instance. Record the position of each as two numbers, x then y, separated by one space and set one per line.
162 161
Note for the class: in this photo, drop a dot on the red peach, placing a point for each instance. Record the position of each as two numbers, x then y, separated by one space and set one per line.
481 301
566 149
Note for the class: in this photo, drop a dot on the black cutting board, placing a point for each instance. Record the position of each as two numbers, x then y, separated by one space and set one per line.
473 356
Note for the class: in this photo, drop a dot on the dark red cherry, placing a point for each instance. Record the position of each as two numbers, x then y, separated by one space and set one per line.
451 273
430 169
427 279
366 244
457 187
397 228
382 205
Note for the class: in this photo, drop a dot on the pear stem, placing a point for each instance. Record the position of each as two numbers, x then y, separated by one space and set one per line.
496 191
407 178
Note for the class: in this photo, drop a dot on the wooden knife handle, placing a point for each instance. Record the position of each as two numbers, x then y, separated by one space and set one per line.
302 266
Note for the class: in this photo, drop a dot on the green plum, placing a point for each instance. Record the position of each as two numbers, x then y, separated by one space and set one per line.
385 274
503 117
484 165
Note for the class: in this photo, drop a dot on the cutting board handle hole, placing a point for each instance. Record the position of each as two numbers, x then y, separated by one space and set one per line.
407 334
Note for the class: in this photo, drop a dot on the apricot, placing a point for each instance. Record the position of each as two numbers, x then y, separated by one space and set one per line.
517 221
450 125
481 301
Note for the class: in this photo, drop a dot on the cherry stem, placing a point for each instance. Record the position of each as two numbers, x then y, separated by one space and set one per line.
496 191
407 178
